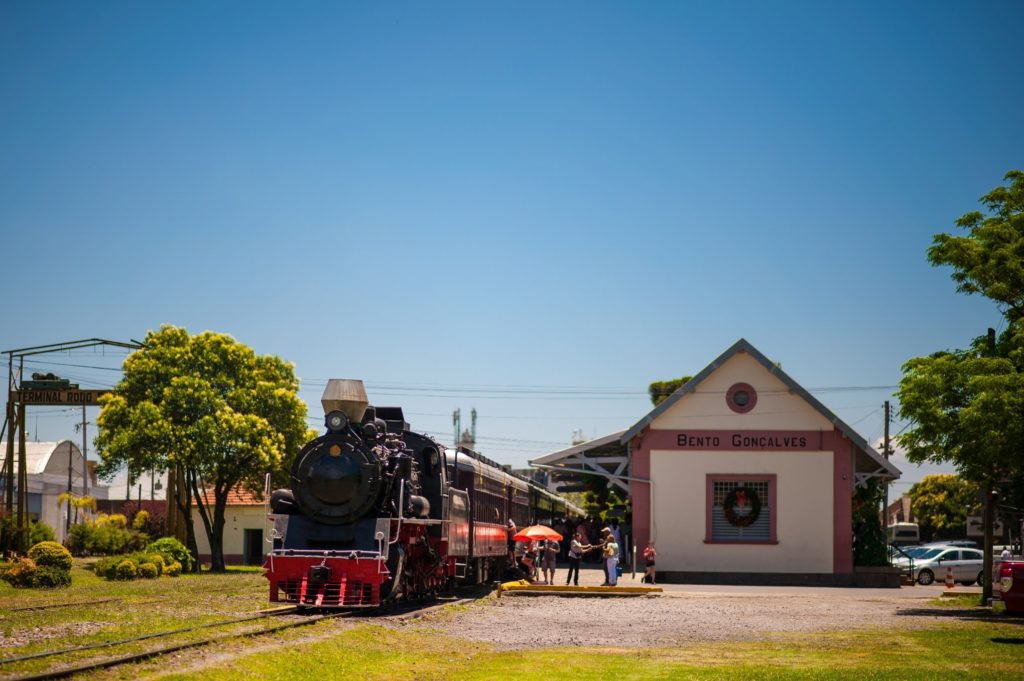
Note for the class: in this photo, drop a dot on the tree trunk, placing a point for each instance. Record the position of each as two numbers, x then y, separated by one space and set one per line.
217 536
184 503
213 520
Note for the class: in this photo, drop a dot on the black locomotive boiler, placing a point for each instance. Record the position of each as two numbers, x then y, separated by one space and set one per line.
377 512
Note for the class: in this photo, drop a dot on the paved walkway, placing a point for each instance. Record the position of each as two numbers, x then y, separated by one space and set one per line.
594 576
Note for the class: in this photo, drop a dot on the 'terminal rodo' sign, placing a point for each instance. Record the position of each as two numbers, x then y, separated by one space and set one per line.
71 397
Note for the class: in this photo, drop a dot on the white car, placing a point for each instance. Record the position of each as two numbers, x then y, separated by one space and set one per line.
932 563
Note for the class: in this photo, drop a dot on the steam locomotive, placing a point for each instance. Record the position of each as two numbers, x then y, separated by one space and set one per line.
377 512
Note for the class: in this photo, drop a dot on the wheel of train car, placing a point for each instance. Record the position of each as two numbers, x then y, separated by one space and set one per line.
394 587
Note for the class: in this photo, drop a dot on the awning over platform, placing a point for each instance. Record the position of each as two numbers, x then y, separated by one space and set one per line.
605 456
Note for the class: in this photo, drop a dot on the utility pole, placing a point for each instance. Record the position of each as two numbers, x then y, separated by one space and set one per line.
67 519
457 424
85 457
886 451
991 500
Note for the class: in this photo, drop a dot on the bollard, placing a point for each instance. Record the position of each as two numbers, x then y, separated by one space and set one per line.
949 578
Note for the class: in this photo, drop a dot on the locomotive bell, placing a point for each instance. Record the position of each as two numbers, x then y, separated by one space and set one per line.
346 395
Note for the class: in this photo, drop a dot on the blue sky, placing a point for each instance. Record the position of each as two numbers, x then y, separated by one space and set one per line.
451 199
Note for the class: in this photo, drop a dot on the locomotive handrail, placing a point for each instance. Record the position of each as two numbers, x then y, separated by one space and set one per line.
401 505
329 553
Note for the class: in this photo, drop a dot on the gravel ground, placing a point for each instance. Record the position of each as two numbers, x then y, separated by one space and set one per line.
21 637
515 622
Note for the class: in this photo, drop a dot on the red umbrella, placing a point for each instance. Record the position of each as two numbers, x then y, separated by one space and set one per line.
536 532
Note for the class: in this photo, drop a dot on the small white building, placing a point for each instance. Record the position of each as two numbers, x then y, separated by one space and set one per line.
50 465
245 522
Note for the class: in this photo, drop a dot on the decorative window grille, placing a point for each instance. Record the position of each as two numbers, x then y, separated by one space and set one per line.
723 530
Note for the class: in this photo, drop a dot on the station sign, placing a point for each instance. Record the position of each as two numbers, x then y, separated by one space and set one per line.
71 397
976 527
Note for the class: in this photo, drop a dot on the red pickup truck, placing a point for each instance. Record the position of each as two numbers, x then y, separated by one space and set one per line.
1010 576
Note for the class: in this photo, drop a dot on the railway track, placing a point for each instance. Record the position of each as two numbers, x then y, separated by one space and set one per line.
399 612
70 604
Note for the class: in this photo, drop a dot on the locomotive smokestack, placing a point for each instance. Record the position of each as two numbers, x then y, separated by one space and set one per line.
346 395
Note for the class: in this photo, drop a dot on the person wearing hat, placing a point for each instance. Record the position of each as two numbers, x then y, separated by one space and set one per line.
610 551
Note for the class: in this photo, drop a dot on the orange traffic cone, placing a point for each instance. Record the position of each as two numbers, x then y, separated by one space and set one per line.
949 578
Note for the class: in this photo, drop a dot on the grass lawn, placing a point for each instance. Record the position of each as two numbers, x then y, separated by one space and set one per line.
130 609
990 650
972 643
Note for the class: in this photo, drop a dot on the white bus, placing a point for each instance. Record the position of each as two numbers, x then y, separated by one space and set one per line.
901 534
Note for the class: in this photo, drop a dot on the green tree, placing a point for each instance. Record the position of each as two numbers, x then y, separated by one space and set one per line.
869 545
941 503
990 259
209 407
967 406
659 391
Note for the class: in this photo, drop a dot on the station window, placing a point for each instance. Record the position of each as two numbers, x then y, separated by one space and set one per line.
741 398
741 509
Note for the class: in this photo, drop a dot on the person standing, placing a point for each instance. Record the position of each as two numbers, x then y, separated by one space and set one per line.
548 559
576 548
611 557
649 555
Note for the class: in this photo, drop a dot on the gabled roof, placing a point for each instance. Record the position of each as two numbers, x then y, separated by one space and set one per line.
742 345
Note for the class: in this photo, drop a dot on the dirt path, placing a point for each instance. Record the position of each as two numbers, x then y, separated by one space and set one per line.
544 621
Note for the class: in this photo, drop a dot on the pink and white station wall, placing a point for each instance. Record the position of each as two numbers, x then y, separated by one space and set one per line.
742 475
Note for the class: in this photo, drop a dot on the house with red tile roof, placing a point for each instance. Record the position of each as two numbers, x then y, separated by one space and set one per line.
245 523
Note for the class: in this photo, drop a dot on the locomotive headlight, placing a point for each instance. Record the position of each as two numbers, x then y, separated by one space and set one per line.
336 420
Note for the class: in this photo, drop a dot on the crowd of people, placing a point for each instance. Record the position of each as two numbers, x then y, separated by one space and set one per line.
583 541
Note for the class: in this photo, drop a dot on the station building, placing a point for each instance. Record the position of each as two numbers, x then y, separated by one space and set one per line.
740 476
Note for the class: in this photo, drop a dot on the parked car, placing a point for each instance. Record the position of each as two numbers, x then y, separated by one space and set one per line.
931 563
963 543
1011 581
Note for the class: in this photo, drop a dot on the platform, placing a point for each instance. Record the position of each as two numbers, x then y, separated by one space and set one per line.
525 588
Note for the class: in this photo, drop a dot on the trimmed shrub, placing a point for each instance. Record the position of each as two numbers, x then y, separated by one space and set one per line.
51 554
157 560
107 567
22 574
53 565
173 570
173 551
40 532
148 571
104 537
126 570
50 577
118 520
140 521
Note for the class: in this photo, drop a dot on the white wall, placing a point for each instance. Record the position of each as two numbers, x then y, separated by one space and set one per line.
776 409
236 520
803 512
